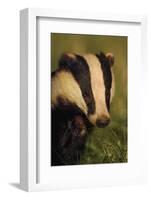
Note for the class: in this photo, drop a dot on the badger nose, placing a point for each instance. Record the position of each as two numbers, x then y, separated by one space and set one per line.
103 121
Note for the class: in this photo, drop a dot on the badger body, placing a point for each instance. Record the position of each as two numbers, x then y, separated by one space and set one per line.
81 92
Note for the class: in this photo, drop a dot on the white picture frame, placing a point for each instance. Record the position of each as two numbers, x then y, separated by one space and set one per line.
30 168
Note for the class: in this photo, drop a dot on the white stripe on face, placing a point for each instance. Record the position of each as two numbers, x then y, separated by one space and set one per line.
98 88
64 85
113 86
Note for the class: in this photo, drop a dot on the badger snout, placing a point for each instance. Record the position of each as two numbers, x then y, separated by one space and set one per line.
103 121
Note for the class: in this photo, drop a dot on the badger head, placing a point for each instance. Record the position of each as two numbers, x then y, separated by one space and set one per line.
86 81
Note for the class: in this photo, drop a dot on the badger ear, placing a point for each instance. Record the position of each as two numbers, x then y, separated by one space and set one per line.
67 60
110 58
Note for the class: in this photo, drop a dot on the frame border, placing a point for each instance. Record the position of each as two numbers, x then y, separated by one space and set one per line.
28 82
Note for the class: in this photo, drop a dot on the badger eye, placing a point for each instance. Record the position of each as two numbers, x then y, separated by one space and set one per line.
86 98
107 94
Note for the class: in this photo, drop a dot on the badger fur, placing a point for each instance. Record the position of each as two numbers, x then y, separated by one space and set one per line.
81 92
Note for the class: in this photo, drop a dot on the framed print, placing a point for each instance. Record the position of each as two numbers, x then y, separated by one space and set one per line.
82 88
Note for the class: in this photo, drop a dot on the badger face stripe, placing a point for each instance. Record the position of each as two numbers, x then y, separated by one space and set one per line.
65 91
98 89
79 68
107 76
84 80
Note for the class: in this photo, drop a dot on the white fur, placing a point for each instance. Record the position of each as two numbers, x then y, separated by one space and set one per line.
113 86
63 84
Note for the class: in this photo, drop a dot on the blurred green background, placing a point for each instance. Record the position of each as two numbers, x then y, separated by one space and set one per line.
107 145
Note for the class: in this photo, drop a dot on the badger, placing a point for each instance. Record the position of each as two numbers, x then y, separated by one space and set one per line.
81 92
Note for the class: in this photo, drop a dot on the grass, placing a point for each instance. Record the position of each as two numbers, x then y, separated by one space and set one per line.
107 145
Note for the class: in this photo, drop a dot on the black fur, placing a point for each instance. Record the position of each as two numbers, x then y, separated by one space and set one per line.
107 76
67 141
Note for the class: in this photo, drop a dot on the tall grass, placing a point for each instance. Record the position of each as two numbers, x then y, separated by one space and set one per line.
107 145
